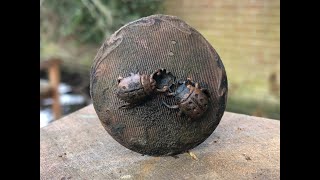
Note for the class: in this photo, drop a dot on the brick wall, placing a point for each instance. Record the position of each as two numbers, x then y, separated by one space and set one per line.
246 34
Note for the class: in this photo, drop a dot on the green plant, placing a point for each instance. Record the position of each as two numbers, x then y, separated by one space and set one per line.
90 21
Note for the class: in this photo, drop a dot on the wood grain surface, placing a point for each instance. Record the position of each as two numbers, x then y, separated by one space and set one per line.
78 147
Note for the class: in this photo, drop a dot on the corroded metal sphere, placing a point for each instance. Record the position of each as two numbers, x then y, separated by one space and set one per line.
141 47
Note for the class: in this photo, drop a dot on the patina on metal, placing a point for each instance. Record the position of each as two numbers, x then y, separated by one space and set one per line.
143 46
164 80
192 100
136 88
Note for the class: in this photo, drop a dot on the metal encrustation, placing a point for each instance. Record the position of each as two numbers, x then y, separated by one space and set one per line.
136 88
145 46
164 79
193 101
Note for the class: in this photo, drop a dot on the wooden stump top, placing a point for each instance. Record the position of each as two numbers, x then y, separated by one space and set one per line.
78 147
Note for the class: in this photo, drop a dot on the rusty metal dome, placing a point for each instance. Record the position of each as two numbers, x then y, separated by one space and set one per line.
143 46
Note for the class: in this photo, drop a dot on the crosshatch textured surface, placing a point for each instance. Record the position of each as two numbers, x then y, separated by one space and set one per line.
143 46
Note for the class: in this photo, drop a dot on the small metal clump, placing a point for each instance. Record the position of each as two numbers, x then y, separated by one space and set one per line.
135 88
192 99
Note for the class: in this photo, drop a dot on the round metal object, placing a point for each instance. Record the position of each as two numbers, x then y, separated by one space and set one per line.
143 46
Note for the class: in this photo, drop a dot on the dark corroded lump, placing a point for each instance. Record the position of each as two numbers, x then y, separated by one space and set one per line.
144 46
165 79
192 99
135 88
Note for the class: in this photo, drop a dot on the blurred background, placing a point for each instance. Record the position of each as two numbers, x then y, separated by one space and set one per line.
245 33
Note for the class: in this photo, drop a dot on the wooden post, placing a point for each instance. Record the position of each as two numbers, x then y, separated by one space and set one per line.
54 79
